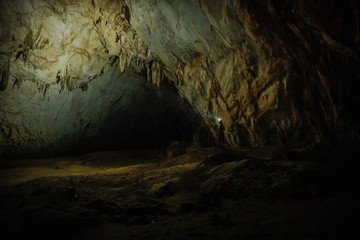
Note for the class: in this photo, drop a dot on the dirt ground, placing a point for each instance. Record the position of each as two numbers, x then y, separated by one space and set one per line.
201 194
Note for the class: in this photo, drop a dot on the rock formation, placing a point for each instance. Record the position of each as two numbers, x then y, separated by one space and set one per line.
274 72
269 70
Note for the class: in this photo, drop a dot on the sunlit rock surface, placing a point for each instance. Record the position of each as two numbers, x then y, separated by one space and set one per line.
274 73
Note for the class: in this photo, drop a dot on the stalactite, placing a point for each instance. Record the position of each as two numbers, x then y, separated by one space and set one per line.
148 71
4 75
156 73
128 60
180 73
122 61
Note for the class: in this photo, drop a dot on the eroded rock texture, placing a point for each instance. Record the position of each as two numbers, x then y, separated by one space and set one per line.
272 70
63 80
275 72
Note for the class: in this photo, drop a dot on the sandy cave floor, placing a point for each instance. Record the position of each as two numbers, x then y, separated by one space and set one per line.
202 194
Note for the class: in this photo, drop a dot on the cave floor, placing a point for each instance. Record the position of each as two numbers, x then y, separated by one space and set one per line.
237 194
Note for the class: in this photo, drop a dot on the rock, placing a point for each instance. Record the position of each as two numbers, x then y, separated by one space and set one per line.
218 178
139 220
257 67
103 207
271 76
40 191
223 156
193 207
309 154
175 149
70 81
269 179
169 189
70 194
221 219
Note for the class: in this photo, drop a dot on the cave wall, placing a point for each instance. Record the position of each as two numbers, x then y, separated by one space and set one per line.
72 80
117 111
275 72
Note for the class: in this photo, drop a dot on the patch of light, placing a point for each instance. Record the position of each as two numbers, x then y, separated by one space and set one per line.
215 118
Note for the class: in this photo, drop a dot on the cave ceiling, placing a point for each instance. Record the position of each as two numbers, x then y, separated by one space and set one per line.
273 76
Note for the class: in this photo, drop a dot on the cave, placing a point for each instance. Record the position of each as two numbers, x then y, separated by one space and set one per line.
187 119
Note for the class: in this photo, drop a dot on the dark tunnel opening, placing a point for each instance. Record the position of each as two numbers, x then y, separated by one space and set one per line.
142 117
153 121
